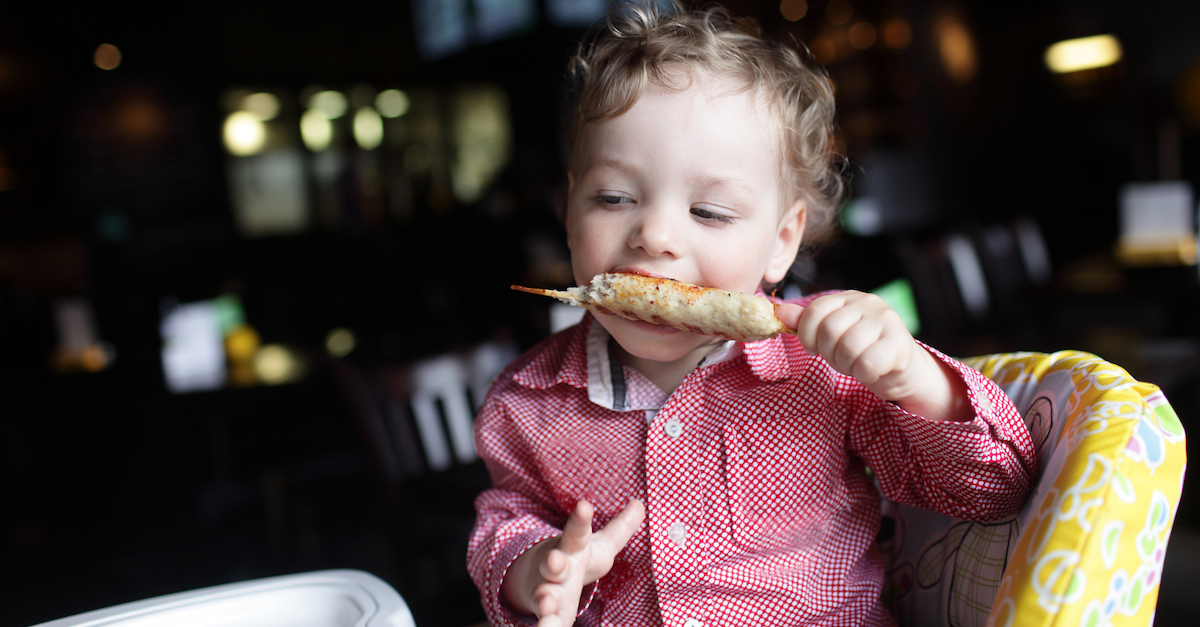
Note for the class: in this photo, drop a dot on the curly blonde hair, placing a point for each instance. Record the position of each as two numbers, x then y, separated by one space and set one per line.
641 44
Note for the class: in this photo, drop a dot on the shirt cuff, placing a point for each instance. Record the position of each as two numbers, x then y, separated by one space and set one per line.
504 613
994 418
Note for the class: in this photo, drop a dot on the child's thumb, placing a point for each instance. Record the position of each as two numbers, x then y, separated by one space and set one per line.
789 314
619 530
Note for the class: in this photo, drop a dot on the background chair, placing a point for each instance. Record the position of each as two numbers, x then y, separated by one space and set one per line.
416 422
1088 547
980 288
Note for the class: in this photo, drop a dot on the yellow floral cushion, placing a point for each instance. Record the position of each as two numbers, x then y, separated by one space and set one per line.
1088 547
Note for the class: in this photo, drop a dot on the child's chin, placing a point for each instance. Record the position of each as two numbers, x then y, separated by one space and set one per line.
655 344
654 329
637 335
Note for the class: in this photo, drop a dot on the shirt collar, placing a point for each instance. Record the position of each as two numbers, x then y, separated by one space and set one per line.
770 359
562 359
605 377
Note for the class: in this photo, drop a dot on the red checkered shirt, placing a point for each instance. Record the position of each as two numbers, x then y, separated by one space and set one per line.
760 510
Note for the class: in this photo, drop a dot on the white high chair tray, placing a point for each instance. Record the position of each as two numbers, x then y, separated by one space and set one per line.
331 598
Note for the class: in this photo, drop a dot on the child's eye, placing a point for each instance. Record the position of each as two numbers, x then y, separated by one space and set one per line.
606 199
705 214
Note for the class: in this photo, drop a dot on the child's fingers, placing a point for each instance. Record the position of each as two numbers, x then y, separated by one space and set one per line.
873 362
823 324
835 328
578 529
546 599
550 620
555 567
808 324
555 620
859 336
620 529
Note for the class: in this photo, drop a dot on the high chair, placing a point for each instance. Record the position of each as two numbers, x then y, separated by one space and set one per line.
1088 546
324 598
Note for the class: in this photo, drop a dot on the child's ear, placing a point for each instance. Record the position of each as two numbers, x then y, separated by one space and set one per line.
787 243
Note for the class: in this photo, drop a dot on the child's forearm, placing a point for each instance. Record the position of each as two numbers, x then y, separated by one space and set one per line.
942 394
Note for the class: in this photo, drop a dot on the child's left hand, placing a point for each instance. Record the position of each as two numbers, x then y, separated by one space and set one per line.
861 336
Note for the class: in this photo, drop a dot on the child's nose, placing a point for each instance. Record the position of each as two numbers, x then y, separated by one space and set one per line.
656 232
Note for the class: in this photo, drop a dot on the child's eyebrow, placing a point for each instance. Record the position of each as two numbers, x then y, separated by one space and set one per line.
604 163
705 180
708 181
735 185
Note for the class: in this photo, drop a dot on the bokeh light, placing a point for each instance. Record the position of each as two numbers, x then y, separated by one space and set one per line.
315 130
332 103
275 364
340 342
96 357
244 134
862 35
368 128
956 48
1187 95
839 11
140 119
263 105
793 10
242 343
1085 53
107 57
897 34
392 103
824 48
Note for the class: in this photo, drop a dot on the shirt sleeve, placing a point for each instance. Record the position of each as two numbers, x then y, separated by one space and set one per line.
980 470
513 516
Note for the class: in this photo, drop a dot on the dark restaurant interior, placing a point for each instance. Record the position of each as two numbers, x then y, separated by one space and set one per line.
236 238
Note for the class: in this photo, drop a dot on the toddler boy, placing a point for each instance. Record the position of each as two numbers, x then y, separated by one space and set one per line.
726 481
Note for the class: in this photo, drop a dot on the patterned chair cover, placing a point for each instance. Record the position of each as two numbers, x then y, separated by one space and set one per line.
1088 547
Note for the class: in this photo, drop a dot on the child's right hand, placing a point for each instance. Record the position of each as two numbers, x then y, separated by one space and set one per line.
547 580
860 335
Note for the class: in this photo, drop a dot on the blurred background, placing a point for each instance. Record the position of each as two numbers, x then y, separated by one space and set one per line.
255 255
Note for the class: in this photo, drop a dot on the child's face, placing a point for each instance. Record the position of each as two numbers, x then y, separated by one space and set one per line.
685 185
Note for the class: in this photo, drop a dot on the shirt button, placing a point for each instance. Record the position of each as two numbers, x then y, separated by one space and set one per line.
985 405
673 427
677 533
691 622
